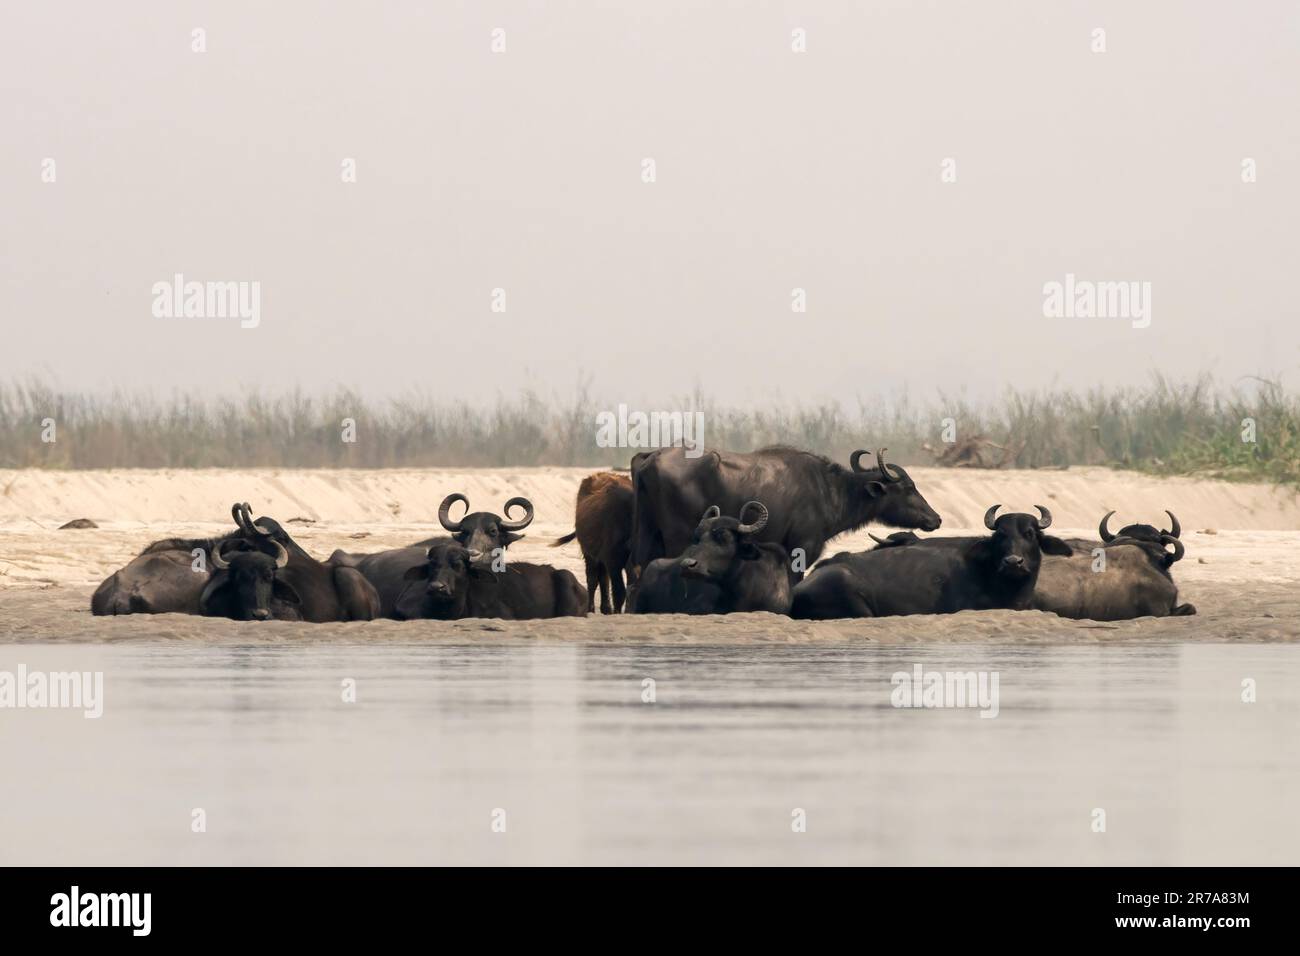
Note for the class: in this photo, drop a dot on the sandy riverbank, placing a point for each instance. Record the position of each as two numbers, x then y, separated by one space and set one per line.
1242 568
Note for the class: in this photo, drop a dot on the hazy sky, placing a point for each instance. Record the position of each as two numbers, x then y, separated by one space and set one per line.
523 170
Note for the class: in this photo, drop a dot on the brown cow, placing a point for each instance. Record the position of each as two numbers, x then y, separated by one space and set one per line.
603 527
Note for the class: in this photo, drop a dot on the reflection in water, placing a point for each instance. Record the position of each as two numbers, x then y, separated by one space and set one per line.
737 739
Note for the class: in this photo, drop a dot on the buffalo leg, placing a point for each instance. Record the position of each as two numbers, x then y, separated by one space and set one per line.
620 591
593 576
603 574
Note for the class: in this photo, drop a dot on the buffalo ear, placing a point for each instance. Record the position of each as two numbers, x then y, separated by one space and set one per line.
417 573
283 591
509 538
215 583
874 488
749 551
1050 545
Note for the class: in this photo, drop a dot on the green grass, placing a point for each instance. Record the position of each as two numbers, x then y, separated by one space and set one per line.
1162 426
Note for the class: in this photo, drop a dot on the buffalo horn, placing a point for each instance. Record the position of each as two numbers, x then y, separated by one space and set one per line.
218 561
989 516
523 522
444 512
884 469
759 523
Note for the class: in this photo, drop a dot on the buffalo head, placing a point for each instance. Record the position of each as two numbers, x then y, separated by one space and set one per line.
482 532
1147 536
898 503
1016 547
244 585
445 575
718 542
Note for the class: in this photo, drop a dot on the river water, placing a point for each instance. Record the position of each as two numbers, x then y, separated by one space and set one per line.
553 753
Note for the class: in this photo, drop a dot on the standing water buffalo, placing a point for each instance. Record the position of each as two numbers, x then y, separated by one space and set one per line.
811 498
482 533
997 571
449 585
1132 578
603 527
723 570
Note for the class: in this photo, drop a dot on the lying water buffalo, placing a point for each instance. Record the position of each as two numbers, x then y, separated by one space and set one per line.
450 585
603 527
996 571
1142 532
1131 580
724 569
811 498
482 533
166 577
247 587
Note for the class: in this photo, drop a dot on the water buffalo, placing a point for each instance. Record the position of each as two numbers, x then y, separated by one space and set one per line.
1142 532
247 587
724 569
1132 580
450 585
482 533
166 578
811 498
603 527
326 591
996 571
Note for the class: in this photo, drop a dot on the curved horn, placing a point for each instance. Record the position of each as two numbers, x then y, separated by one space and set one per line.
1179 550
215 558
251 529
988 517
855 459
1106 534
712 511
1175 529
759 523
1045 521
444 512
236 512
257 529
281 555
884 469
523 522
875 539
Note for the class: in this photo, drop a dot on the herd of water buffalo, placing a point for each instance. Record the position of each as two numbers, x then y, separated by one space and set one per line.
713 534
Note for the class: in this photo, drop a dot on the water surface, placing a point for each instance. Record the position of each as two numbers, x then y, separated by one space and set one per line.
441 738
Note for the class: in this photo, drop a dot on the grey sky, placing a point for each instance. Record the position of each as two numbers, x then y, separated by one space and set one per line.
522 170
